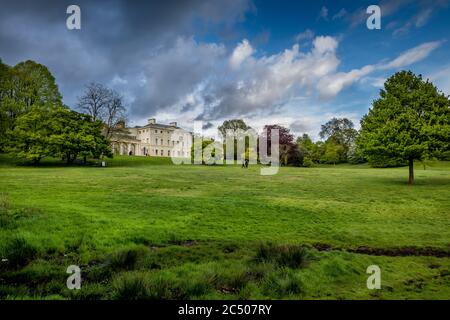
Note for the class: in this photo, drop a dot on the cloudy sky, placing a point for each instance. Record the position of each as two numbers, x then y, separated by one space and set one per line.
295 63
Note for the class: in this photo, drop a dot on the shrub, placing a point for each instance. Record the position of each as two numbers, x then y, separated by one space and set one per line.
307 162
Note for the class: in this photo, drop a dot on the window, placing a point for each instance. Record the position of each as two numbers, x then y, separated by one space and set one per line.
173 143
168 153
156 131
161 131
139 131
168 142
161 141
156 141
156 152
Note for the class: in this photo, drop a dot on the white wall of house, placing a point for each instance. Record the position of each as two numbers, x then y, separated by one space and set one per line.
156 141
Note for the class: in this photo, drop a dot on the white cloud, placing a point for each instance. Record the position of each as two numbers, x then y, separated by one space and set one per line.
305 35
418 21
325 44
341 14
422 18
412 55
330 86
201 81
240 53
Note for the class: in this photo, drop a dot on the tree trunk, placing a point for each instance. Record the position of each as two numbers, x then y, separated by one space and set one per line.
411 170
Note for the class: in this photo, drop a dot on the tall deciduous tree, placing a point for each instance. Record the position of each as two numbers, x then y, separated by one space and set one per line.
342 132
233 125
289 153
29 140
103 104
57 132
410 121
22 88
74 134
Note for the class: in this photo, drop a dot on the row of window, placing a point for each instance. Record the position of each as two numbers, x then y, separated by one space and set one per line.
168 142
147 130
179 153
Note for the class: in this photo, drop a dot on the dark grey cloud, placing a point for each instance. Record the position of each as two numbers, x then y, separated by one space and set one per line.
117 43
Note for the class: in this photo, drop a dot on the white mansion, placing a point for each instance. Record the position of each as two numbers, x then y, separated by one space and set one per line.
153 139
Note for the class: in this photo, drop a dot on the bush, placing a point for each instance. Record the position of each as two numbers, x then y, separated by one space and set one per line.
308 163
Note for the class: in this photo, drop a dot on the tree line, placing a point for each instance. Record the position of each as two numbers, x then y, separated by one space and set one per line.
410 121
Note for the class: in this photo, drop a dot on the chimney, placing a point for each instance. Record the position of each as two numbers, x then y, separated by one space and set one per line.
173 124
151 121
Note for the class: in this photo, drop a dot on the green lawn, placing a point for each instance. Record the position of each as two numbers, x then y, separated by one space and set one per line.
144 228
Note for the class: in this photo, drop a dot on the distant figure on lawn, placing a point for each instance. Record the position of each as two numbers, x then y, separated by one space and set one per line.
245 163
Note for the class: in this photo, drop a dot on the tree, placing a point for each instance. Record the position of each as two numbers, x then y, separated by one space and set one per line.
103 104
333 152
342 132
35 85
57 132
30 138
306 149
4 123
410 121
94 101
233 125
289 153
74 134
23 87
115 112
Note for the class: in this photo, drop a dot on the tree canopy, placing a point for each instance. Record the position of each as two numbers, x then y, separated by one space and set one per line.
410 121
103 104
23 87
57 132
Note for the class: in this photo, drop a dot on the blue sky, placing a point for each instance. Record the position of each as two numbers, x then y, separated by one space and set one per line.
295 63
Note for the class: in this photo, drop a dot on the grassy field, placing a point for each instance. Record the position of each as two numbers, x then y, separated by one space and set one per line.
142 228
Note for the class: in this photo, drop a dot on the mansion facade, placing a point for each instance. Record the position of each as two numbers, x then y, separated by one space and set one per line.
153 139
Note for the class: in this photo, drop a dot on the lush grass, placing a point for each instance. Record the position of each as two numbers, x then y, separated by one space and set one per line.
142 228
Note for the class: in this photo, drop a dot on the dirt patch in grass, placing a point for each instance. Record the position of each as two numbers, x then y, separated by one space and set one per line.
390 252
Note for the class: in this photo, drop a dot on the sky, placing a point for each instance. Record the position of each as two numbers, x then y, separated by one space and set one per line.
292 63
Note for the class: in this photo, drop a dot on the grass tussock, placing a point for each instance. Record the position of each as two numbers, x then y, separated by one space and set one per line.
126 259
18 252
290 256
